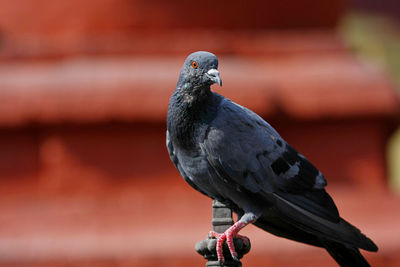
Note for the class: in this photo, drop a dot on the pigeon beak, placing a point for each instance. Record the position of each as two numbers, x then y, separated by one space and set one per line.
213 74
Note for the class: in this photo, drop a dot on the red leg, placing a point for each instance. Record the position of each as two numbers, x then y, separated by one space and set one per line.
229 234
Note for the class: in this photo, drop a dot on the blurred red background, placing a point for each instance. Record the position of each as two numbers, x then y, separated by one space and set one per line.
85 178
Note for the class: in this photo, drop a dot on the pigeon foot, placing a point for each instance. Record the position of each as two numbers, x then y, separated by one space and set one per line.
229 235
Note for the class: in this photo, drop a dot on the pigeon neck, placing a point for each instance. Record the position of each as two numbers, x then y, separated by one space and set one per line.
193 95
187 115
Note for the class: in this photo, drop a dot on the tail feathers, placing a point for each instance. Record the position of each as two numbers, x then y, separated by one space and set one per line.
363 241
344 255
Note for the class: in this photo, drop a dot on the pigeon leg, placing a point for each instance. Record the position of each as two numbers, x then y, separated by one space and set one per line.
229 234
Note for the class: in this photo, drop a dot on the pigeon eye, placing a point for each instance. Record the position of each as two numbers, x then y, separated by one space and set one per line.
195 65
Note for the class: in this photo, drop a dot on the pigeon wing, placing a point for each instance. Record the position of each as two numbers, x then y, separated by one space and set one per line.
246 151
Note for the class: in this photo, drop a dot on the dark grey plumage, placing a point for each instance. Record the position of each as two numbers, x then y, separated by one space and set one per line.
229 153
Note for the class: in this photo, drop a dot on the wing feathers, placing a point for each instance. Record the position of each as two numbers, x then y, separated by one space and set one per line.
307 221
245 148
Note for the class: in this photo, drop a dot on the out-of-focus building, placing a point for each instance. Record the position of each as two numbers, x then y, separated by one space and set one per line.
85 178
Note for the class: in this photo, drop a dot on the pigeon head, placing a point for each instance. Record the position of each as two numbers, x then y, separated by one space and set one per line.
200 70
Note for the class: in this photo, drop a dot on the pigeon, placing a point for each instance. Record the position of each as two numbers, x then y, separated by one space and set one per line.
230 154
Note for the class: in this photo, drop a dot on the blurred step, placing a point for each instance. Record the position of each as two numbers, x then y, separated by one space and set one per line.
143 224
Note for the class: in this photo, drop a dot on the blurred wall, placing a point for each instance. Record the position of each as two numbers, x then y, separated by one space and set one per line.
47 28
85 178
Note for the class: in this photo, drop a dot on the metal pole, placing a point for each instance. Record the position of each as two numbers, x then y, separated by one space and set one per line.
221 221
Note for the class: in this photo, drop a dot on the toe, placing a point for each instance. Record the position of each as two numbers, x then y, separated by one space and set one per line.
214 234
220 241
231 246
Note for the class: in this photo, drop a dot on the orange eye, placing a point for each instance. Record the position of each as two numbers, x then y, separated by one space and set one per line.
195 65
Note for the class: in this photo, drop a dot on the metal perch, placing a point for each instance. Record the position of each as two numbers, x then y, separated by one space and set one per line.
221 221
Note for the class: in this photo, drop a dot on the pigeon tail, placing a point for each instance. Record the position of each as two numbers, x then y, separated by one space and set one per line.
345 255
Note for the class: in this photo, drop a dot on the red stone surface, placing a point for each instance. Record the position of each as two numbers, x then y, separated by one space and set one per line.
123 224
46 28
303 86
104 194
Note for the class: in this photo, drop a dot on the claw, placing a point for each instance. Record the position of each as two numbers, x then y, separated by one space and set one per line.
235 258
